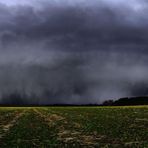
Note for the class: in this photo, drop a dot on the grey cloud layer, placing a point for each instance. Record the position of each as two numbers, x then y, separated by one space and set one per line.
74 27
66 52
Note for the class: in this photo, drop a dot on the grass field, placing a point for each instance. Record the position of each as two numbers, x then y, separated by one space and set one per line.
45 127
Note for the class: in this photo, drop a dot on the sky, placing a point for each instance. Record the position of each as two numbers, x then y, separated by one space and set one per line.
75 52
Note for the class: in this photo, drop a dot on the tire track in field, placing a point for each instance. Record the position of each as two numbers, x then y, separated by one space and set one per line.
75 134
6 128
64 135
30 131
50 120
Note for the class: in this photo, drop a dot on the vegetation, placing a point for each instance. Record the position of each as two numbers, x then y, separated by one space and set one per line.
143 100
45 127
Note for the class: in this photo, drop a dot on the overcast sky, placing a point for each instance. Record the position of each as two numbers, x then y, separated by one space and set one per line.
65 51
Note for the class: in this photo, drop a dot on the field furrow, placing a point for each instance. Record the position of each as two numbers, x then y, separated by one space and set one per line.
74 127
8 119
30 130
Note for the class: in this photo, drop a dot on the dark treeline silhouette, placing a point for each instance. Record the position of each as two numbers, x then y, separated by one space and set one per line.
143 100
17 99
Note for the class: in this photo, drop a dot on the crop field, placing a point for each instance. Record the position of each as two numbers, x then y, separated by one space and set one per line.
74 127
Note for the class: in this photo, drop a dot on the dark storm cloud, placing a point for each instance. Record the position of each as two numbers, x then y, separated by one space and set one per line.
76 27
73 52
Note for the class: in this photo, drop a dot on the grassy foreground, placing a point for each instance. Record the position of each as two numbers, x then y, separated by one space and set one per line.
47 127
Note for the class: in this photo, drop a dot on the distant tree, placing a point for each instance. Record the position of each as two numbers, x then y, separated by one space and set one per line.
132 101
127 101
108 102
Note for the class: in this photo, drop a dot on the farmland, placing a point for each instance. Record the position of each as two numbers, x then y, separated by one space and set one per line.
45 127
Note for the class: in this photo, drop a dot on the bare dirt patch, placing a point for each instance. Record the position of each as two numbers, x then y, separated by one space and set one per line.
51 119
7 127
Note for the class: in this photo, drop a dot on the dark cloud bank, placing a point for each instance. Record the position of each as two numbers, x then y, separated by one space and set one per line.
66 52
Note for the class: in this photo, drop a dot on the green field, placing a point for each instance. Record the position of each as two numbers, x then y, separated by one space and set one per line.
45 127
